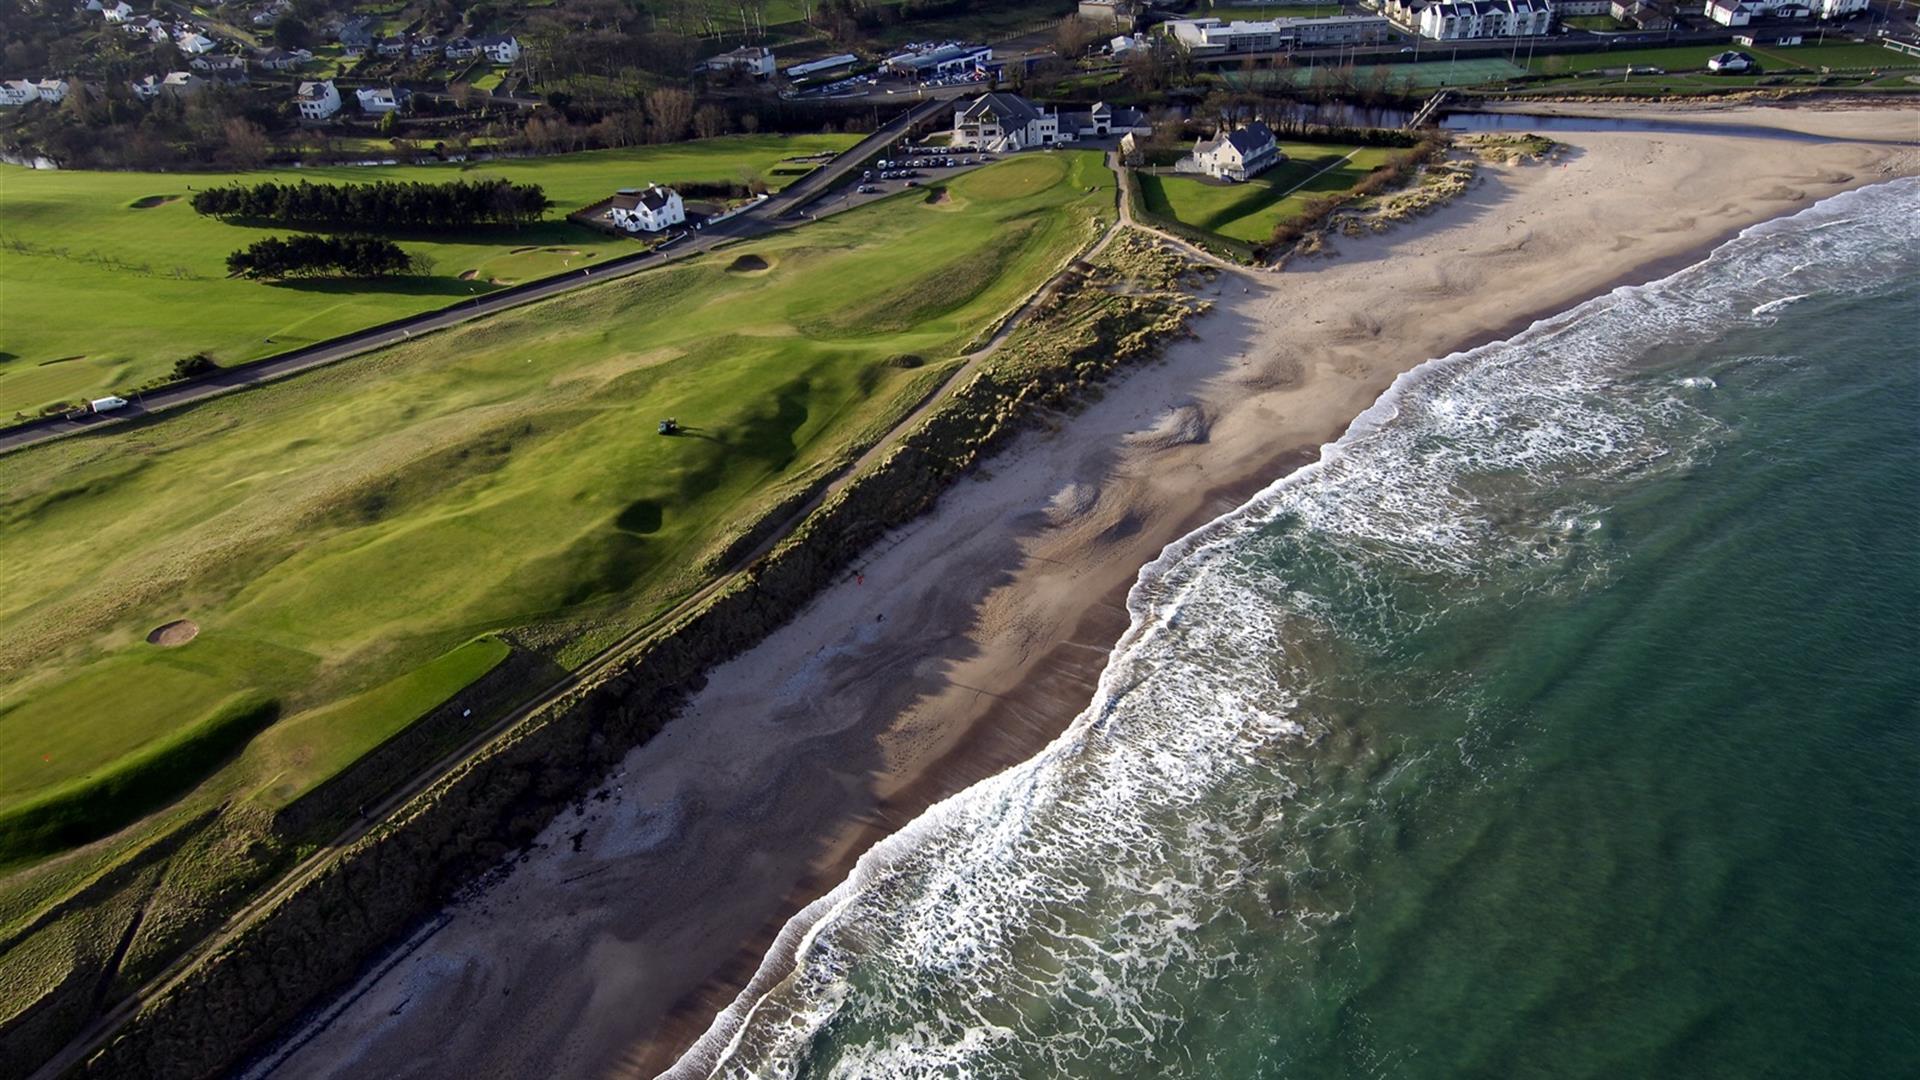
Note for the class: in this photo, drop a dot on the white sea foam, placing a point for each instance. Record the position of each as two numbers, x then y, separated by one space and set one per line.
1061 916
1772 306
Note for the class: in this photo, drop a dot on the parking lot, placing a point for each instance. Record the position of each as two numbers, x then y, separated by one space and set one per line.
905 168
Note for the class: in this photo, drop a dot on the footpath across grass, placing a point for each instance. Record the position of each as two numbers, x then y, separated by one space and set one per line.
121 278
1249 212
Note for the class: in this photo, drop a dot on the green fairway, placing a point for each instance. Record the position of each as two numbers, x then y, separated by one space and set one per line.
1250 211
354 544
107 278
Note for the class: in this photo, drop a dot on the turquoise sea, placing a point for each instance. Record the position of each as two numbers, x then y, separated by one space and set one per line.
1563 721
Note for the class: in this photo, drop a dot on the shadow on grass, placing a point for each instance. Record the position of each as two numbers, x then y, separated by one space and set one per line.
394 286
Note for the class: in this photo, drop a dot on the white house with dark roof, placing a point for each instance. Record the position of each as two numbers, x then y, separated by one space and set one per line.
650 209
52 91
16 92
1002 123
500 48
755 60
317 100
117 13
378 100
1236 156
193 43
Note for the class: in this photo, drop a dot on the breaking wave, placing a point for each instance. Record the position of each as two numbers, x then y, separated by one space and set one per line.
1067 915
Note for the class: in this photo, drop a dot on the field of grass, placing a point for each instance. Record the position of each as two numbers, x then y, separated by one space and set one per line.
122 278
355 544
1250 211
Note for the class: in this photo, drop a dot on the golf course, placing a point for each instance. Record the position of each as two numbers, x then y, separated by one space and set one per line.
123 278
242 598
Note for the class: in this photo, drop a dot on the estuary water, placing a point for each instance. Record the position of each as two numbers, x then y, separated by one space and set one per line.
1563 721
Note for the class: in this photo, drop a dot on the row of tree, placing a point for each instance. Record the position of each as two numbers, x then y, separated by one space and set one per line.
320 256
456 204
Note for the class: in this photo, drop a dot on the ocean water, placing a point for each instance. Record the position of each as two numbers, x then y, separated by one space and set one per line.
1564 721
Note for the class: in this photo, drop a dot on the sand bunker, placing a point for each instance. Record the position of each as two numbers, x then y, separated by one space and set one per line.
174 634
63 359
748 264
562 251
469 275
939 197
524 250
151 201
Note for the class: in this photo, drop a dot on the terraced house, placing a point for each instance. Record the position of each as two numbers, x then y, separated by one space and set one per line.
1458 20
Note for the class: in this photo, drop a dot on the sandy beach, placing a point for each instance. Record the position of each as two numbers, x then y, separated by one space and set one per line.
969 639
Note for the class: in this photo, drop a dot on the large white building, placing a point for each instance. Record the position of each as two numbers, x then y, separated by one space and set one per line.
317 100
1004 123
1457 20
377 101
649 210
1236 156
15 92
1213 37
1742 12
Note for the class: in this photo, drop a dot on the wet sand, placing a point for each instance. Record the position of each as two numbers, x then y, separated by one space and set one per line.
969 639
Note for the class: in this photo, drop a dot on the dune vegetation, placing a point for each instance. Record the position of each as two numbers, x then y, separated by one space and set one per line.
334 539
122 278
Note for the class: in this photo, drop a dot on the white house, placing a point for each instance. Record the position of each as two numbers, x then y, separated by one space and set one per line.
193 43
461 48
1003 123
117 13
1103 120
1235 155
1840 9
52 91
146 88
500 48
755 60
16 92
377 101
1456 20
317 100
1731 62
648 210
1732 13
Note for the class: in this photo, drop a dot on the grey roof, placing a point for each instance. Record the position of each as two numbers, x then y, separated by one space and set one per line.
1251 139
1009 109
652 198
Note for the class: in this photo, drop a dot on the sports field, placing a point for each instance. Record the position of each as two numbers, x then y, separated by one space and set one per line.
107 278
352 546
1250 211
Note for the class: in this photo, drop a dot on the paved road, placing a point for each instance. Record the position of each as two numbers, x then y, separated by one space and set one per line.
777 212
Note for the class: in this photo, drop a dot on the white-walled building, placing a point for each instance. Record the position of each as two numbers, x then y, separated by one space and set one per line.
1839 9
1731 13
317 100
193 43
1003 123
377 100
17 92
53 91
755 60
183 83
500 48
1456 20
117 13
1237 155
649 210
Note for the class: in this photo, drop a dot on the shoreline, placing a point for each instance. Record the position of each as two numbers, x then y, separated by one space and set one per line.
841 728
